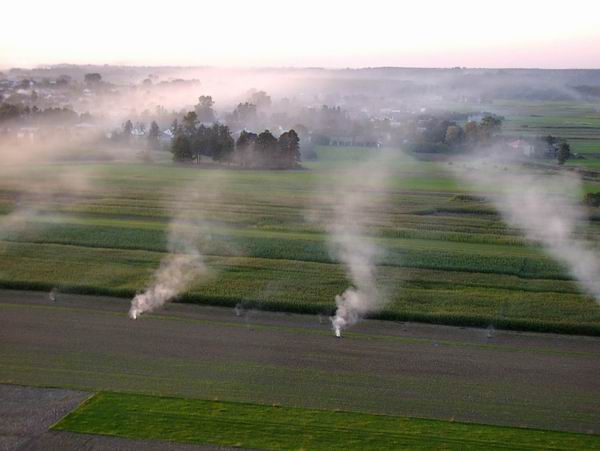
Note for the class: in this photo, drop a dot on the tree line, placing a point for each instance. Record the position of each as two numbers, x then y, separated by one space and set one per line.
192 140
431 134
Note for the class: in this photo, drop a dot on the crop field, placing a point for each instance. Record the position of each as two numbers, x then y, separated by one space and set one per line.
578 122
277 427
447 258
250 378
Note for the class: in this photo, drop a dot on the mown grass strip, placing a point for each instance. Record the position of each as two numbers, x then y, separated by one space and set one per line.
275 427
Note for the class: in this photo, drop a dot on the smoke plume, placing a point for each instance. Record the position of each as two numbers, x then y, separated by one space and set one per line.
358 197
185 263
547 210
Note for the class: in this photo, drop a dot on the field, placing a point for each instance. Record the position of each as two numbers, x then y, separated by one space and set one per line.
446 260
210 354
578 122
267 427
252 378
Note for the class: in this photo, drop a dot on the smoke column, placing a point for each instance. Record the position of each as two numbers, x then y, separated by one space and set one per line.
546 208
184 264
358 196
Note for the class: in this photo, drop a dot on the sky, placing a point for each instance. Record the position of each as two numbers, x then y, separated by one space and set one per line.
307 33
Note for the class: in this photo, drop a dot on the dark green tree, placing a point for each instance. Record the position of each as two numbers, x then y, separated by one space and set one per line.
244 148
564 153
289 150
181 148
222 143
266 149
201 141
190 120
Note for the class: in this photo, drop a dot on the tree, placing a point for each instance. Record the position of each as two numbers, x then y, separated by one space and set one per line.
189 123
454 135
244 113
261 99
471 132
267 148
92 78
489 126
222 143
289 150
564 153
181 148
153 134
204 110
175 127
127 130
201 143
244 148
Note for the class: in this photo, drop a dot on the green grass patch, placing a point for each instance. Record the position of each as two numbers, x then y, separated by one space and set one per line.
277 427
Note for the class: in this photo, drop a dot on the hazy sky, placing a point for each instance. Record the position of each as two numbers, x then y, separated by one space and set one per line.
329 33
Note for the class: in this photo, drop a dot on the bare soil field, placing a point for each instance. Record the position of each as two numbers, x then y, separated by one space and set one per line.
494 377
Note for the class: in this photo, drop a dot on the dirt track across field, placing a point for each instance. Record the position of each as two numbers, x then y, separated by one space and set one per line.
89 343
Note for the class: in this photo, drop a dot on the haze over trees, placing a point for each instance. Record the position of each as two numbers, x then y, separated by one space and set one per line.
194 140
204 109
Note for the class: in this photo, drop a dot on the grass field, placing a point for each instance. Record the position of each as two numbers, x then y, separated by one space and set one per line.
277 427
446 260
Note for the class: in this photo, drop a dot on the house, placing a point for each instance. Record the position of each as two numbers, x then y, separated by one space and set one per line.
166 135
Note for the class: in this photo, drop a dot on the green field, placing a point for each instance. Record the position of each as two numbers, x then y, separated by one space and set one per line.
446 260
277 427
578 122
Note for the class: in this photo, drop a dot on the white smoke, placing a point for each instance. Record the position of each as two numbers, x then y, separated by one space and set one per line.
547 209
16 220
176 274
185 263
39 198
358 198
